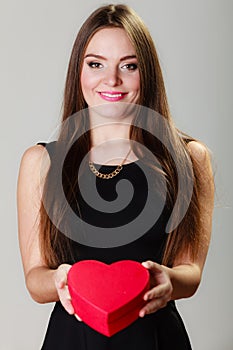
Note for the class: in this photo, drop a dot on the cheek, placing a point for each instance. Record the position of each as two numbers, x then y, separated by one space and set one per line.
134 82
88 80
84 81
137 83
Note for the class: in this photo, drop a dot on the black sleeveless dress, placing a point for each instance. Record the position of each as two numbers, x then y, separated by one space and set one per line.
162 330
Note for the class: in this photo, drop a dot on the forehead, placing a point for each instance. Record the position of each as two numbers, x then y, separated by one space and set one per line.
110 40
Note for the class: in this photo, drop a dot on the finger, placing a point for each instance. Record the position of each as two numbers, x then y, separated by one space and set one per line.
61 276
65 299
60 279
64 294
151 265
66 303
78 318
147 264
61 284
157 291
153 306
156 305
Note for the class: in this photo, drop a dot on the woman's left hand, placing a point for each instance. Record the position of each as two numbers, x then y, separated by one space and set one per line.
161 288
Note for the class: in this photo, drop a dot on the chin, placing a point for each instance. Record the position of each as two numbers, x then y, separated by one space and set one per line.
114 110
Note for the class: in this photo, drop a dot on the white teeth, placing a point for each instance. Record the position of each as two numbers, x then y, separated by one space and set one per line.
111 95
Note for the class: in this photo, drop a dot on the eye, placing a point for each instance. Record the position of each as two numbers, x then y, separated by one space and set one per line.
95 65
130 66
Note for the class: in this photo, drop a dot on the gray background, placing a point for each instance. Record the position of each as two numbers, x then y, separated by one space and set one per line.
194 43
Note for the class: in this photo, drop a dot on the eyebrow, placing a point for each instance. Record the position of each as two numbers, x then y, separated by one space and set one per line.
104 58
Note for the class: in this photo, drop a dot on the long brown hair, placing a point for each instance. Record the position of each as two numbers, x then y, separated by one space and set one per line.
55 247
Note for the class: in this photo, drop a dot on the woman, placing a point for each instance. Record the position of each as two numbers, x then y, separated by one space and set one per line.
113 71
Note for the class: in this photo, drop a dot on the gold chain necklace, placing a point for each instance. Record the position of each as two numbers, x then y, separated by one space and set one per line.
110 175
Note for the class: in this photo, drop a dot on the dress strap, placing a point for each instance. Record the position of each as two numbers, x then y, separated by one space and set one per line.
41 143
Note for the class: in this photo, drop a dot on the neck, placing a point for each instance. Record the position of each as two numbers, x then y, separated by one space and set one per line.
108 132
110 121
110 126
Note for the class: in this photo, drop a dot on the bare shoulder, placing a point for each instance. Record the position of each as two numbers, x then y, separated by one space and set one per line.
199 152
202 157
33 154
35 160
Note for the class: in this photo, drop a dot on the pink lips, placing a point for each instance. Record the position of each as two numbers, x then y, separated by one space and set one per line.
112 96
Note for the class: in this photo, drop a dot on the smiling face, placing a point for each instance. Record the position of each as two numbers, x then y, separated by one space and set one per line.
110 71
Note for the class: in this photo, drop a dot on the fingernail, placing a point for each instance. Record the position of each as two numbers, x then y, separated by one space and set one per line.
146 265
142 313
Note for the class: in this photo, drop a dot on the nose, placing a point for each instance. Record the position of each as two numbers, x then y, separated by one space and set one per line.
112 77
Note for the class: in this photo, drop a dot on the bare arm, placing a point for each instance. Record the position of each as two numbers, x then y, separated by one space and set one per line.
44 284
183 279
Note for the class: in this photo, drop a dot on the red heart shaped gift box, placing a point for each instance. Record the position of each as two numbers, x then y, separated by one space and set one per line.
108 298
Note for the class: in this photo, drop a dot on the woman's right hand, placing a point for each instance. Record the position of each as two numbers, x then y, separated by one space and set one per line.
60 279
